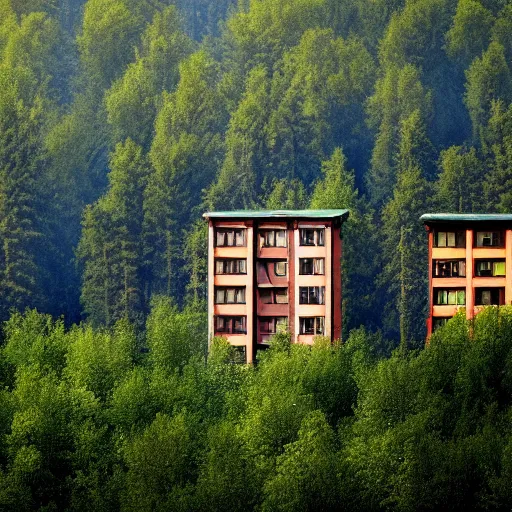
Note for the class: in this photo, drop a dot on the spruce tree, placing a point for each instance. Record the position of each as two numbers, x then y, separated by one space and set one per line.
404 249
112 242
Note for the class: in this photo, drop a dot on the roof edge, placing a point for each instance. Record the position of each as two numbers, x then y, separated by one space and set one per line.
275 214
466 217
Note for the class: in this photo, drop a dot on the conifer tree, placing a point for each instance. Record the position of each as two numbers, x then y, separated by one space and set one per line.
133 100
337 189
460 187
22 167
404 250
186 153
398 94
112 242
488 78
239 182
470 32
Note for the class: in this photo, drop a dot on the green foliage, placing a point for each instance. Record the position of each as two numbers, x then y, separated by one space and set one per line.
488 78
305 477
133 100
97 360
469 35
337 190
460 181
35 339
159 465
21 194
174 337
397 95
108 40
111 247
308 428
404 277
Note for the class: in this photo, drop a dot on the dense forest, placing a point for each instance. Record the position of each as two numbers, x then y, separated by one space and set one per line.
88 422
121 122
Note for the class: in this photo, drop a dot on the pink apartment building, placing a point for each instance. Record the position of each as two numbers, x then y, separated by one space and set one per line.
274 270
470 263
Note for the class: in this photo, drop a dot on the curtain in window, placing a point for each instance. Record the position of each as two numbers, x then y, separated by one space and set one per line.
319 266
221 238
498 268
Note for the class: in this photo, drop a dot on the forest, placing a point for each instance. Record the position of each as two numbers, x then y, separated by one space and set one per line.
88 421
121 122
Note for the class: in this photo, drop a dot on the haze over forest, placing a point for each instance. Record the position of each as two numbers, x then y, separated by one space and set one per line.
122 121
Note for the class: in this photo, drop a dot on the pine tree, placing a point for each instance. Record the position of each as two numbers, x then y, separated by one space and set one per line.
337 189
460 181
404 249
22 166
398 94
133 100
239 182
112 242
488 78
186 153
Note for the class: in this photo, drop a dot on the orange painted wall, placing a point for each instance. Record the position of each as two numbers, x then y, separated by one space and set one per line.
256 279
471 282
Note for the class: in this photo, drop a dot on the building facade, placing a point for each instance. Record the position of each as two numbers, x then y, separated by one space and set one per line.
274 270
470 264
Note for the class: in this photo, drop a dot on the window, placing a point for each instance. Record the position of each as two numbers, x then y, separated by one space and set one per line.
230 237
450 296
489 296
271 325
266 296
281 296
489 239
230 266
312 295
273 295
449 239
312 325
449 268
273 238
280 268
312 236
439 322
231 324
311 266
489 268
230 295
238 355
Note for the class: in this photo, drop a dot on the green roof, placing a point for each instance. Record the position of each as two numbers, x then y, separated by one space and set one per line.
276 214
466 217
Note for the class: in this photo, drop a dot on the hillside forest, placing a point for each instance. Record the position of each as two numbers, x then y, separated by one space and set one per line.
121 122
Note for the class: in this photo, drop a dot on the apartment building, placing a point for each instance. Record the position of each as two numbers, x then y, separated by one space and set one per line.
274 270
470 264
